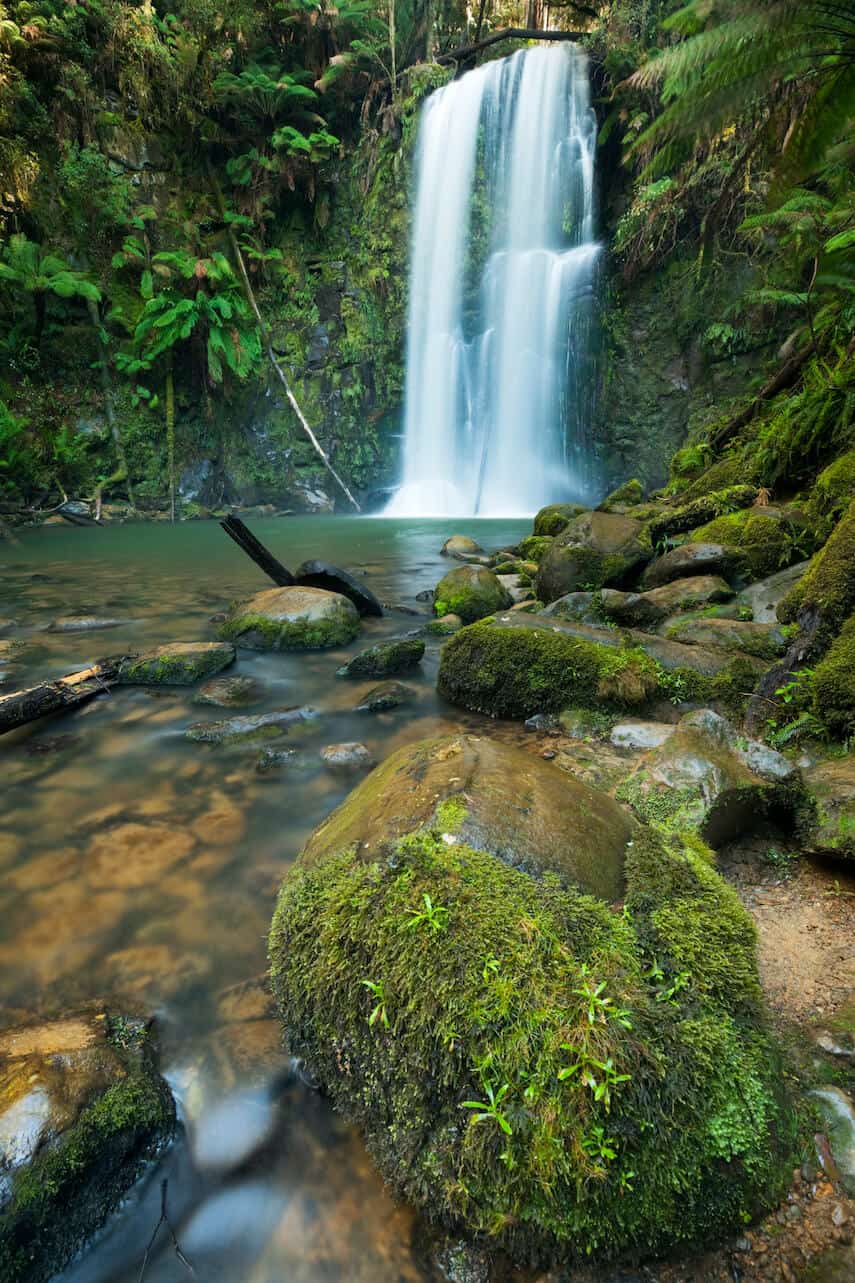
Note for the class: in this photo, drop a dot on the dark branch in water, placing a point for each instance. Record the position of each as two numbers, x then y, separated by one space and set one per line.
164 1220
507 33
254 548
28 705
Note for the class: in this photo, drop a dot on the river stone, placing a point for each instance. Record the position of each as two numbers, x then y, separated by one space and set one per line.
515 588
345 756
472 592
832 786
763 596
693 559
444 626
387 695
319 574
83 624
518 807
250 728
459 544
595 549
395 656
82 1109
707 779
297 618
765 641
556 517
228 692
578 607
643 735
179 664
651 607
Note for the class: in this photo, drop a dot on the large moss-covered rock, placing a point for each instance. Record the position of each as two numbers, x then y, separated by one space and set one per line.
81 1110
827 589
386 658
766 641
832 786
555 517
470 592
688 516
493 797
535 547
833 683
693 559
629 495
528 1067
831 495
651 607
292 619
769 538
595 549
179 664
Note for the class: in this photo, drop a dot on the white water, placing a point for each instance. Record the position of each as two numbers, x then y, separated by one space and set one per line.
499 387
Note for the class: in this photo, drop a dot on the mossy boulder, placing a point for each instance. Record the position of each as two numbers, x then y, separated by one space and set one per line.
470 592
385 659
292 619
629 495
732 470
707 779
693 559
555 517
596 549
769 539
444 626
252 728
656 604
529 1068
493 797
689 516
833 683
82 1110
529 664
386 696
179 664
460 544
766 641
831 495
535 547
832 786
826 592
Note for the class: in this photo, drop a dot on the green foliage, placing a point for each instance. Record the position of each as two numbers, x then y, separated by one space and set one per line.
833 685
27 268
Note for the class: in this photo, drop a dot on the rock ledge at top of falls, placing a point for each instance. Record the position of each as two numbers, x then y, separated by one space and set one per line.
83 1109
297 618
594 549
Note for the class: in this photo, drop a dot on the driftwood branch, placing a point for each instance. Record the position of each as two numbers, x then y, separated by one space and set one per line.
256 550
507 33
25 706
164 1220
784 378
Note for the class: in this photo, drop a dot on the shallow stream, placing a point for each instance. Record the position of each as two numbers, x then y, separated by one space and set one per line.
139 869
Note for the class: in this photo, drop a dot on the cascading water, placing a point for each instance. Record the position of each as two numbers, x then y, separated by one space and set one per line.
499 386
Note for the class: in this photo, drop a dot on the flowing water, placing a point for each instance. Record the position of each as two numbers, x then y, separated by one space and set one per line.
269 1185
499 381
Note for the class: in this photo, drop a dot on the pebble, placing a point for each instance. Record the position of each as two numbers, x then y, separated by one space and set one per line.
838 1216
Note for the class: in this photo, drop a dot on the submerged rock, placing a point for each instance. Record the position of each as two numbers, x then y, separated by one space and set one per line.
249 728
345 756
228 692
492 1027
296 618
471 592
319 574
395 656
595 549
270 760
180 664
692 559
84 624
82 1110
388 695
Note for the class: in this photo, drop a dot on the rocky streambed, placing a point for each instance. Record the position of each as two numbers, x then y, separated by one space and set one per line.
521 955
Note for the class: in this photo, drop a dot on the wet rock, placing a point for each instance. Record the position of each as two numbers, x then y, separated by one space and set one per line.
639 609
395 656
595 550
459 544
693 559
556 517
643 735
492 797
250 728
765 641
515 588
297 618
348 756
762 597
542 722
83 1109
134 855
578 607
629 495
386 696
228 692
426 594
705 778
471 592
319 574
9 625
444 626
839 1114
271 760
460 1262
179 664
83 624
832 786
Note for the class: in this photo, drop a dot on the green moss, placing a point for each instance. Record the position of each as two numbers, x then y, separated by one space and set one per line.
68 1190
470 592
519 996
451 814
552 519
833 683
175 668
768 543
534 547
630 493
732 470
831 495
260 632
385 659
705 508
827 589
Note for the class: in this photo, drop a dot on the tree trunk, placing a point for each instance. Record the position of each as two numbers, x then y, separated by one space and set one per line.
170 433
40 305
122 473
508 33
28 705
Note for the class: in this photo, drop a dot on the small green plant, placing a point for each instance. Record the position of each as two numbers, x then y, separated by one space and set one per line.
434 915
778 859
600 1008
599 1075
489 1109
379 1012
597 1144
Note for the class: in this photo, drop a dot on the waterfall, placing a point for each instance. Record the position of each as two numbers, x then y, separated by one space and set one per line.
498 402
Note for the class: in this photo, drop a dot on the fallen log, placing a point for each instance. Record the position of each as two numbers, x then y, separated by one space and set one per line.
254 549
21 707
507 33
784 378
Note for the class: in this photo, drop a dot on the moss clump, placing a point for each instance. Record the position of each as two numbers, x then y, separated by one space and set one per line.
385 659
516 672
732 470
833 683
299 618
831 495
69 1188
768 543
627 495
552 519
706 508
528 1066
827 589
470 592
535 547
